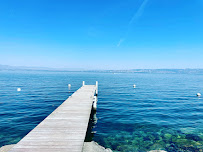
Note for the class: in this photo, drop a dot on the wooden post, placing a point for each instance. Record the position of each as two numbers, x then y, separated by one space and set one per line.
83 83
95 103
96 88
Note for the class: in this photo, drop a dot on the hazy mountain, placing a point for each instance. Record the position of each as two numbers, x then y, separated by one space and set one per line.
196 71
7 67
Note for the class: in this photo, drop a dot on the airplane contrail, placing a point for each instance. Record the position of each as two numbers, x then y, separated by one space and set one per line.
136 15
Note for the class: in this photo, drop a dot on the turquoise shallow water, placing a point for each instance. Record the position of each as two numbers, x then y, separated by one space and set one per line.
162 112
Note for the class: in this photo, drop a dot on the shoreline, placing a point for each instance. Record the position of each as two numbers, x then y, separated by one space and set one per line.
87 147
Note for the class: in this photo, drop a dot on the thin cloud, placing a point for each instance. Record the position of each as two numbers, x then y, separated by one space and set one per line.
136 15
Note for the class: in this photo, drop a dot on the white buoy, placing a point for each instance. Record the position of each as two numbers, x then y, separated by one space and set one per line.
69 86
198 94
134 86
18 89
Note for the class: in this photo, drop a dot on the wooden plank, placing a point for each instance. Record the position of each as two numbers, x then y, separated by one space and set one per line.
64 129
71 149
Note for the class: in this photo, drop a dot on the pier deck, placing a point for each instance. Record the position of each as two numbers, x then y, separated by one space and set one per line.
64 130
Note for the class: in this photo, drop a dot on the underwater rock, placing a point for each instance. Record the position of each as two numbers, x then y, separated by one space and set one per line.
94 147
157 151
142 140
157 146
193 137
187 130
182 142
172 148
201 136
195 143
168 136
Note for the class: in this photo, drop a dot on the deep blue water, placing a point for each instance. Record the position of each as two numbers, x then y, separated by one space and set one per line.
162 112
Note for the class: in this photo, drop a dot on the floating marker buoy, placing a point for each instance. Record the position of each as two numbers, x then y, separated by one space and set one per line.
198 94
69 86
134 86
18 89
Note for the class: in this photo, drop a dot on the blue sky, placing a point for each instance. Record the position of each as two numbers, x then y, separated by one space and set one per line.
102 34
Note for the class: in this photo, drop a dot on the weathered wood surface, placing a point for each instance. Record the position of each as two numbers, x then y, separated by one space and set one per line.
64 129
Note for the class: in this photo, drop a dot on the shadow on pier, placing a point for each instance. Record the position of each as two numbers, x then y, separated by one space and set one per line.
91 126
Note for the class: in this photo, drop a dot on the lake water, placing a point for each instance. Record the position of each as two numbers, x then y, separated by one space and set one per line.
162 112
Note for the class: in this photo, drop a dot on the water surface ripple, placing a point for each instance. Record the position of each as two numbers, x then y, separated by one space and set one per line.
162 112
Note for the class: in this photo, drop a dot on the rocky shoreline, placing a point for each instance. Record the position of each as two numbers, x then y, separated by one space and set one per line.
88 147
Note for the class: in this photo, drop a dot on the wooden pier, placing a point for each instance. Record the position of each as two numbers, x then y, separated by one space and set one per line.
64 130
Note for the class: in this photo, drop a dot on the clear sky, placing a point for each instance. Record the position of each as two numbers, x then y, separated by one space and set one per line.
102 34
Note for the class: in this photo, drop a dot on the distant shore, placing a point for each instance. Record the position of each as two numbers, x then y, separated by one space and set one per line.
114 71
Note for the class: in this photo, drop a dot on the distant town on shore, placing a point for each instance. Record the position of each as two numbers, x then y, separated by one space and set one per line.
187 70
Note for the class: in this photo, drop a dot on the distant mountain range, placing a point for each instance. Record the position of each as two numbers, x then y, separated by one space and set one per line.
188 71
195 71
199 71
8 67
